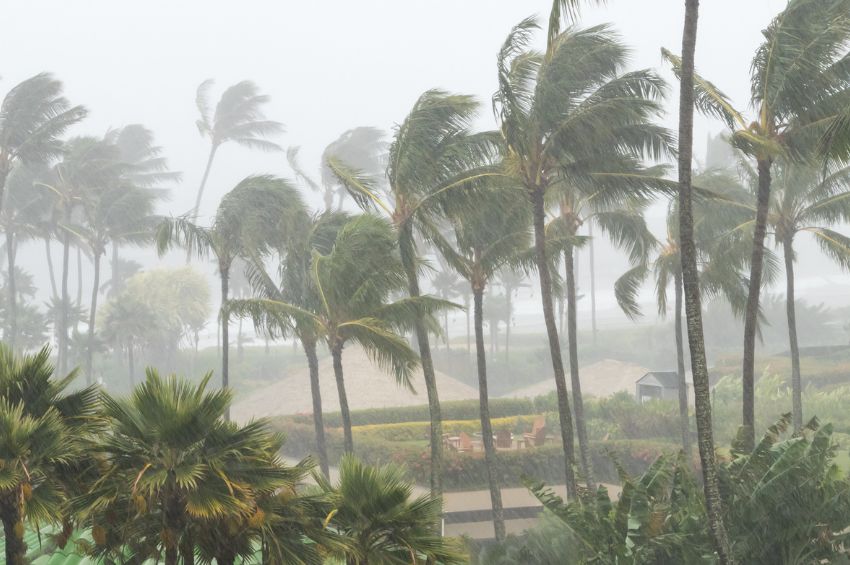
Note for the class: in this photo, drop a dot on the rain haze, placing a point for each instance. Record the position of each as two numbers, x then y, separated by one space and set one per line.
348 249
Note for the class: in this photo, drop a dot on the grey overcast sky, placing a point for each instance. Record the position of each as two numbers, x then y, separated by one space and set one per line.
328 66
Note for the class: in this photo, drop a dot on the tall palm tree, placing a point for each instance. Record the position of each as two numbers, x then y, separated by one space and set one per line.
800 83
42 428
354 283
296 287
238 118
483 248
175 465
373 508
690 283
807 199
511 281
432 157
249 217
33 115
572 117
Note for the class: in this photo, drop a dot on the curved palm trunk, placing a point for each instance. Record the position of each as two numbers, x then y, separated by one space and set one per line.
224 272
316 391
408 255
790 309
92 316
690 281
336 355
575 380
752 312
684 423
13 531
592 282
54 291
200 196
564 414
63 310
12 306
486 427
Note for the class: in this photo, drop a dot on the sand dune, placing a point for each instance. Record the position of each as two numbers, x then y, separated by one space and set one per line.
366 385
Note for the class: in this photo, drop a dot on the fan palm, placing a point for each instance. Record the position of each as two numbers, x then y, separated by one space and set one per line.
238 118
41 433
691 291
257 209
483 248
432 157
33 115
570 117
185 465
800 88
811 200
373 509
354 283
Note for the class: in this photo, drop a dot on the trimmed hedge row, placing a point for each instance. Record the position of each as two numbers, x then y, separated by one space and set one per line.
407 431
468 471
452 410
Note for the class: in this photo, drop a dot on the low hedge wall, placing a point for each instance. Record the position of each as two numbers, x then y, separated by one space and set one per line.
407 431
465 471
452 410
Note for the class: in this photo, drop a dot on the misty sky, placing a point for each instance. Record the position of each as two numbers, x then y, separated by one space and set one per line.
328 66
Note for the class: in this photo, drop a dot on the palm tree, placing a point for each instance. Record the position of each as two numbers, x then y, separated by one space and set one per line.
184 464
256 210
799 85
33 115
296 287
354 283
511 281
126 321
483 249
238 118
19 219
41 443
690 284
432 157
807 199
571 117
373 510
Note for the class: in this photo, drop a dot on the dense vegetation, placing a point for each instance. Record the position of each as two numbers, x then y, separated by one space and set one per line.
163 473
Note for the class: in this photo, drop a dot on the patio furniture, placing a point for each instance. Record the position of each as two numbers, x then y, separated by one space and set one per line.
504 439
465 443
537 436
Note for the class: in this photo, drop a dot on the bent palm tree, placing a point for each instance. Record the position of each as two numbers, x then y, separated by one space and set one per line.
484 247
354 283
800 86
432 157
572 117
238 118
249 217
33 115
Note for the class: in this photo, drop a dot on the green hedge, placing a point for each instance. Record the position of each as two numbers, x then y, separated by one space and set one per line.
468 471
453 410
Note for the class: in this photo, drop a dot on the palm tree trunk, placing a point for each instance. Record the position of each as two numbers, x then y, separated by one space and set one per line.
316 391
336 355
486 427
224 272
115 271
131 363
92 316
564 415
752 312
200 196
13 527
63 313
79 285
592 281
446 329
50 272
468 334
11 291
690 281
408 257
790 308
240 350
575 381
684 423
509 305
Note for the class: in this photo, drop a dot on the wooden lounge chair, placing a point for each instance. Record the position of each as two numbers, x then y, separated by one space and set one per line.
504 439
537 436
465 443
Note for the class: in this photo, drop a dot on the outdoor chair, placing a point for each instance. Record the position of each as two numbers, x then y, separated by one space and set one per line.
537 436
504 439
